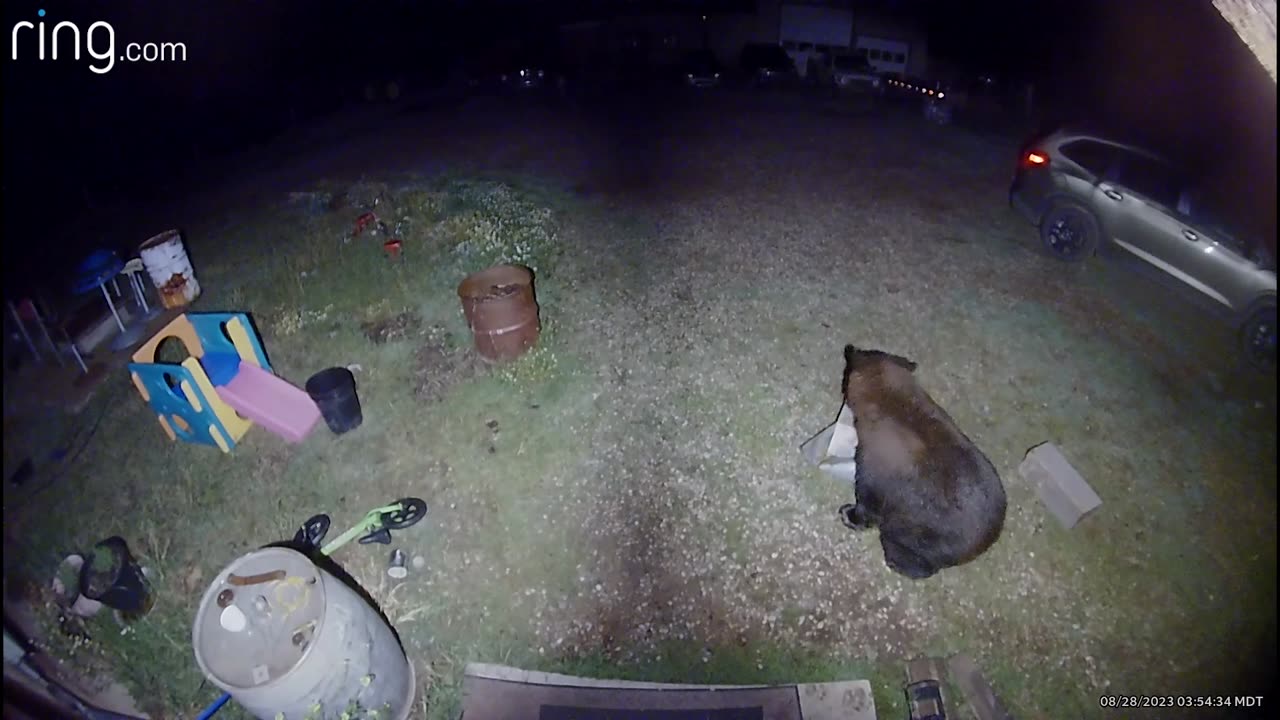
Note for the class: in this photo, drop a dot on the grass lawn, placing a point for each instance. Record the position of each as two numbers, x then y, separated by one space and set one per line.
628 500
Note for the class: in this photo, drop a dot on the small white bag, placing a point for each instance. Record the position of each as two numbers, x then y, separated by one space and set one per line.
832 449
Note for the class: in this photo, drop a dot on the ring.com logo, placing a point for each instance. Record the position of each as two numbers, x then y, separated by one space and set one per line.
99 44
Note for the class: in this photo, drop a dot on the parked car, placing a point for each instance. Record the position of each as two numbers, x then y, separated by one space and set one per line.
853 73
532 70
767 64
699 69
1084 190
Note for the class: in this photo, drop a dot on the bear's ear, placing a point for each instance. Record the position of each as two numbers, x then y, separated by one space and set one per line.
850 352
901 362
855 357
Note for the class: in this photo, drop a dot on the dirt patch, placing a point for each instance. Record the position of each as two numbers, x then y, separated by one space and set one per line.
640 585
270 460
397 327
437 368
1088 314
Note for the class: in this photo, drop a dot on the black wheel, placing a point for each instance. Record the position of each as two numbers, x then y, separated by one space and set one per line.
1069 232
1258 338
313 531
411 511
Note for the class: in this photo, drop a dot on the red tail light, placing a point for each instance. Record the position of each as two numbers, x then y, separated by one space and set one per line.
1035 157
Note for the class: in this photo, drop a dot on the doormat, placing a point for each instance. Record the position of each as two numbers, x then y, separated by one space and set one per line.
497 692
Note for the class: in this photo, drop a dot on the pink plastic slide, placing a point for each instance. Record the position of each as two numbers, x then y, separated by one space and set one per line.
271 402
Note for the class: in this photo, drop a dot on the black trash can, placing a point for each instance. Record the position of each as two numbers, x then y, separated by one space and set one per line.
112 577
334 391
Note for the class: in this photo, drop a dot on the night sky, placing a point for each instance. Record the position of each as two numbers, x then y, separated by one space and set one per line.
76 142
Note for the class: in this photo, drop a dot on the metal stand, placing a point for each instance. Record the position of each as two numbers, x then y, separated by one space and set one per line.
29 312
112 305
138 329
134 269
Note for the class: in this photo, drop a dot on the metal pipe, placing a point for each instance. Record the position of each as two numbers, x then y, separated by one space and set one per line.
107 294
140 292
44 328
25 335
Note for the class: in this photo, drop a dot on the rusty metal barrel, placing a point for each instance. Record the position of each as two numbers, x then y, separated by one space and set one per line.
501 311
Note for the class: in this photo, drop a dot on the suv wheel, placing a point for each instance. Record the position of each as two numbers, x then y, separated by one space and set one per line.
1069 232
1258 337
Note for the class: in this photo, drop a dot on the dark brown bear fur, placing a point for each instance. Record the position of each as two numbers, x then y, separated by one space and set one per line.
936 499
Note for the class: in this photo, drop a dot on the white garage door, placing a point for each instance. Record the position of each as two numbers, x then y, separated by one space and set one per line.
885 55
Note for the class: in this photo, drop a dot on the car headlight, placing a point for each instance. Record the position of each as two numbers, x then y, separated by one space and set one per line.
715 75
541 73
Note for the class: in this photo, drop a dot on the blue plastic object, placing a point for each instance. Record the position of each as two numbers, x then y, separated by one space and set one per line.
164 383
214 707
97 269
98 260
209 328
221 367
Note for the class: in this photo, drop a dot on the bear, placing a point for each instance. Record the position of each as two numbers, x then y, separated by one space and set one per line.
935 497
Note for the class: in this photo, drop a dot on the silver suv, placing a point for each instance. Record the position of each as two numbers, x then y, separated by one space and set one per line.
1083 190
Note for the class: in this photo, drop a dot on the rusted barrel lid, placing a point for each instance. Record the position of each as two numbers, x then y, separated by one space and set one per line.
499 306
492 284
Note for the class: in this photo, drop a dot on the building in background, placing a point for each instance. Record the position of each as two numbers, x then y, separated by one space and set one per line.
662 33
811 32
891 42
656 34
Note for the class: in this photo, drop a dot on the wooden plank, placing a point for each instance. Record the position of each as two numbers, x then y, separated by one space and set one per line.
925 668
850 700
496 692
977 691
486 699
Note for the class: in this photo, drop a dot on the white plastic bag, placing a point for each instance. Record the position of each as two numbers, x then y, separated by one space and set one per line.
833 449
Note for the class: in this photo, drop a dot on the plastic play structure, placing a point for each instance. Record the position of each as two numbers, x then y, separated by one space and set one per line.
223 388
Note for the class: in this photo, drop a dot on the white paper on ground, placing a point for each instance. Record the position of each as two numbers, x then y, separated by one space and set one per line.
832 449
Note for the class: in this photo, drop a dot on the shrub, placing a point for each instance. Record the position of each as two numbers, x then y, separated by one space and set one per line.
496 226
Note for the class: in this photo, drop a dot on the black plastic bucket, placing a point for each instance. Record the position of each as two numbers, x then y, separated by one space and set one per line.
110 576
334 391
